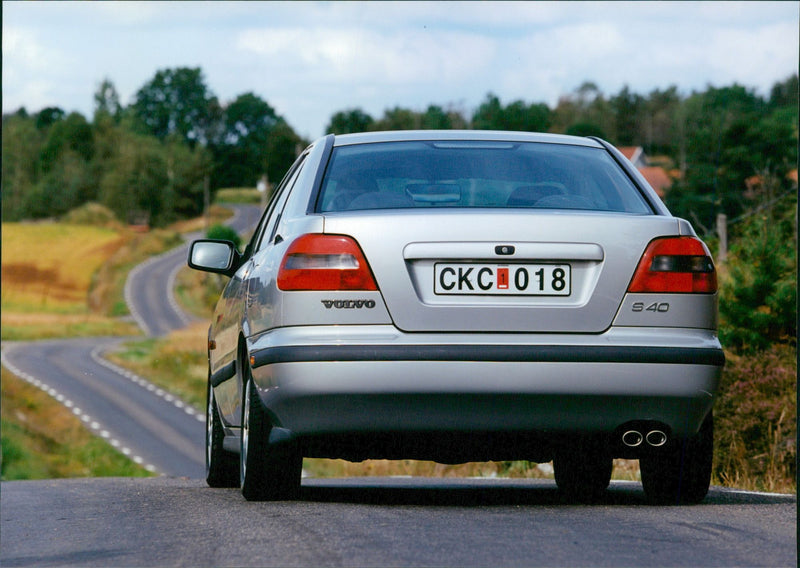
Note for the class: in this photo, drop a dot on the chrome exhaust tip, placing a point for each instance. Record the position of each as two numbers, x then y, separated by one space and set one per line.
632 438
656 438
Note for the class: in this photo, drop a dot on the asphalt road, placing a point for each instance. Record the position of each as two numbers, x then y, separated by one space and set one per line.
175 520
149 425
383 522
149 288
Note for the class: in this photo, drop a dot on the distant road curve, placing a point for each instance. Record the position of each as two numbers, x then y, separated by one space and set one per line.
149 289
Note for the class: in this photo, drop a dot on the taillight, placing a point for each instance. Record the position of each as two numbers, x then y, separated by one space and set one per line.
676 265
325 262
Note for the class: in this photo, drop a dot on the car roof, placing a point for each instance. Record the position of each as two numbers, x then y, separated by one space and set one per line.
462 135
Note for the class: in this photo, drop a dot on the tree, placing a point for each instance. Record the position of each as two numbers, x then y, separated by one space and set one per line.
72 133
518 116
240 151
21 144
283 147
718 154
489 115
177 101
106 101
758 292
785 93
137 179
627 108
661 134
350 121
585 129
187 170
585 106
398 118
46 117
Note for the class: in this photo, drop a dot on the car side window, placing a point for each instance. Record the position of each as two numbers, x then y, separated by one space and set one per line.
258 233
269 223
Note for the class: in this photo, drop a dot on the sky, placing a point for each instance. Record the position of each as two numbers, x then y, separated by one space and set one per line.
309 60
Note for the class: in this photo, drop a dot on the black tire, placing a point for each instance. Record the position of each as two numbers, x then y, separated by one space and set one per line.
681 476
583 473
267 472
222 467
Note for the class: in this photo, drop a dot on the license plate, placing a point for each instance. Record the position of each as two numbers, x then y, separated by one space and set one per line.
503 279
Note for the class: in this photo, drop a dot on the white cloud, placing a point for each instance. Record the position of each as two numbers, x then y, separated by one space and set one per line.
362 55
31 70
21 48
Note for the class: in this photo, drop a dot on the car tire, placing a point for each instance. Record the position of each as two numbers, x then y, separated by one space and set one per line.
583 473
681 476
267 472
222 467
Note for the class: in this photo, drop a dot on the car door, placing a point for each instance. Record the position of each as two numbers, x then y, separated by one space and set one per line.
230 315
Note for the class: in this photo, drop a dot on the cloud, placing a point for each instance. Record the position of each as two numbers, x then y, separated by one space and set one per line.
22 49
363 56
31 70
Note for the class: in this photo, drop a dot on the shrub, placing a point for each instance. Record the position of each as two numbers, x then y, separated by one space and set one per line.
91 214
225 233
755 420
758 284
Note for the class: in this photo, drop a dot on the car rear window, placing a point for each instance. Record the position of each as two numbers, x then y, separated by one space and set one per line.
476 174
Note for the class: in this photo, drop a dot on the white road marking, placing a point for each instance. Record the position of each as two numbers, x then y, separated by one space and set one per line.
85 418
98 358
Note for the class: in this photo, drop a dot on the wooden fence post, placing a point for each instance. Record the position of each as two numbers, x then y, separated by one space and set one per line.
722 233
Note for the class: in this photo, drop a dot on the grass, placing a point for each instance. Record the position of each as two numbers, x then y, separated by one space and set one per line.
41 439
48 267
176 363
68 280
18 326
238 195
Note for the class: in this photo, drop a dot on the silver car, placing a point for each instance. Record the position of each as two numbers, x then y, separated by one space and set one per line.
464 296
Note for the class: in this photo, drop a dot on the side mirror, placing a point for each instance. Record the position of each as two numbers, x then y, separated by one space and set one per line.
219 257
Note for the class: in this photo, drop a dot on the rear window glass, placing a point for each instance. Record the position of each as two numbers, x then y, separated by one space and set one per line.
476 174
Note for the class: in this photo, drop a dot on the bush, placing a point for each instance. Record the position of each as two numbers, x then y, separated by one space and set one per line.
758 284
91 214
225 233
756 419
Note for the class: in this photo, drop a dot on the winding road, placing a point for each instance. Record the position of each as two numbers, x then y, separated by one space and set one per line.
175 520
151 426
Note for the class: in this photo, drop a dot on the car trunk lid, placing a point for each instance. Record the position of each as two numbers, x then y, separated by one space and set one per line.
503 271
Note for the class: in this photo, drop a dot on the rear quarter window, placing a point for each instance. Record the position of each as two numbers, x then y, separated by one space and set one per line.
456 174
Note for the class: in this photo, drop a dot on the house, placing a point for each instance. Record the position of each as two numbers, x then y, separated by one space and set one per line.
635 154
656 176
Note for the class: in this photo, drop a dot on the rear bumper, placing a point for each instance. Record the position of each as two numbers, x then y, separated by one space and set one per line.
374 379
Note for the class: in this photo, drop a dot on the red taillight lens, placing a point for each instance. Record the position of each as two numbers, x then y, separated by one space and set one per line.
675 265
325 262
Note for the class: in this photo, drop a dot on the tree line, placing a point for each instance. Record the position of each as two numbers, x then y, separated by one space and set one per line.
164 155
168 150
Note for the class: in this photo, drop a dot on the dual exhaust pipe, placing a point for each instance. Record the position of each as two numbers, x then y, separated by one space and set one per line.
653 438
